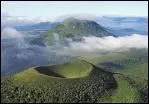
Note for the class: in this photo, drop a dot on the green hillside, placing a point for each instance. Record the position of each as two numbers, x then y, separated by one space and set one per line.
74 69
83 81
36 85
74 28
129 90
133 83
132 62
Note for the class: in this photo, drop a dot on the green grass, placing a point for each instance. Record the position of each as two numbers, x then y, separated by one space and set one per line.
74 69
132 62
140 70
125 93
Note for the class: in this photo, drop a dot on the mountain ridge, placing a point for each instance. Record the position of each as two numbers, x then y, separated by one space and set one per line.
72 28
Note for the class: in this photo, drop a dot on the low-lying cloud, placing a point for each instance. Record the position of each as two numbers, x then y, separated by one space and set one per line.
9 32
109 43
22 50
12 21
19 51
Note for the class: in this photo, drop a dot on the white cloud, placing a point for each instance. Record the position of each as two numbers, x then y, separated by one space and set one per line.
7 20
109 43
15 37
9 32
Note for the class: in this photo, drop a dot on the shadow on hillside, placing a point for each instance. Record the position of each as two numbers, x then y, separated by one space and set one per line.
108 65
109 81
48 71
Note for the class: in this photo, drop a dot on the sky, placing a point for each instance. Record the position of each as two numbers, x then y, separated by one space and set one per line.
53 9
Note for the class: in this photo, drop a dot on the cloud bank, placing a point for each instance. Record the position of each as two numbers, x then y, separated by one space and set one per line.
11 21
9 32
87 44
20 51
109 43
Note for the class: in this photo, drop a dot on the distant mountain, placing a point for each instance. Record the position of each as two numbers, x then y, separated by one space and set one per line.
114 24
126 31
118 25
124 25
71 28
37 26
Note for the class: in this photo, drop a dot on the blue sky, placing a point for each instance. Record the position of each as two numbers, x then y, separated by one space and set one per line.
53 9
